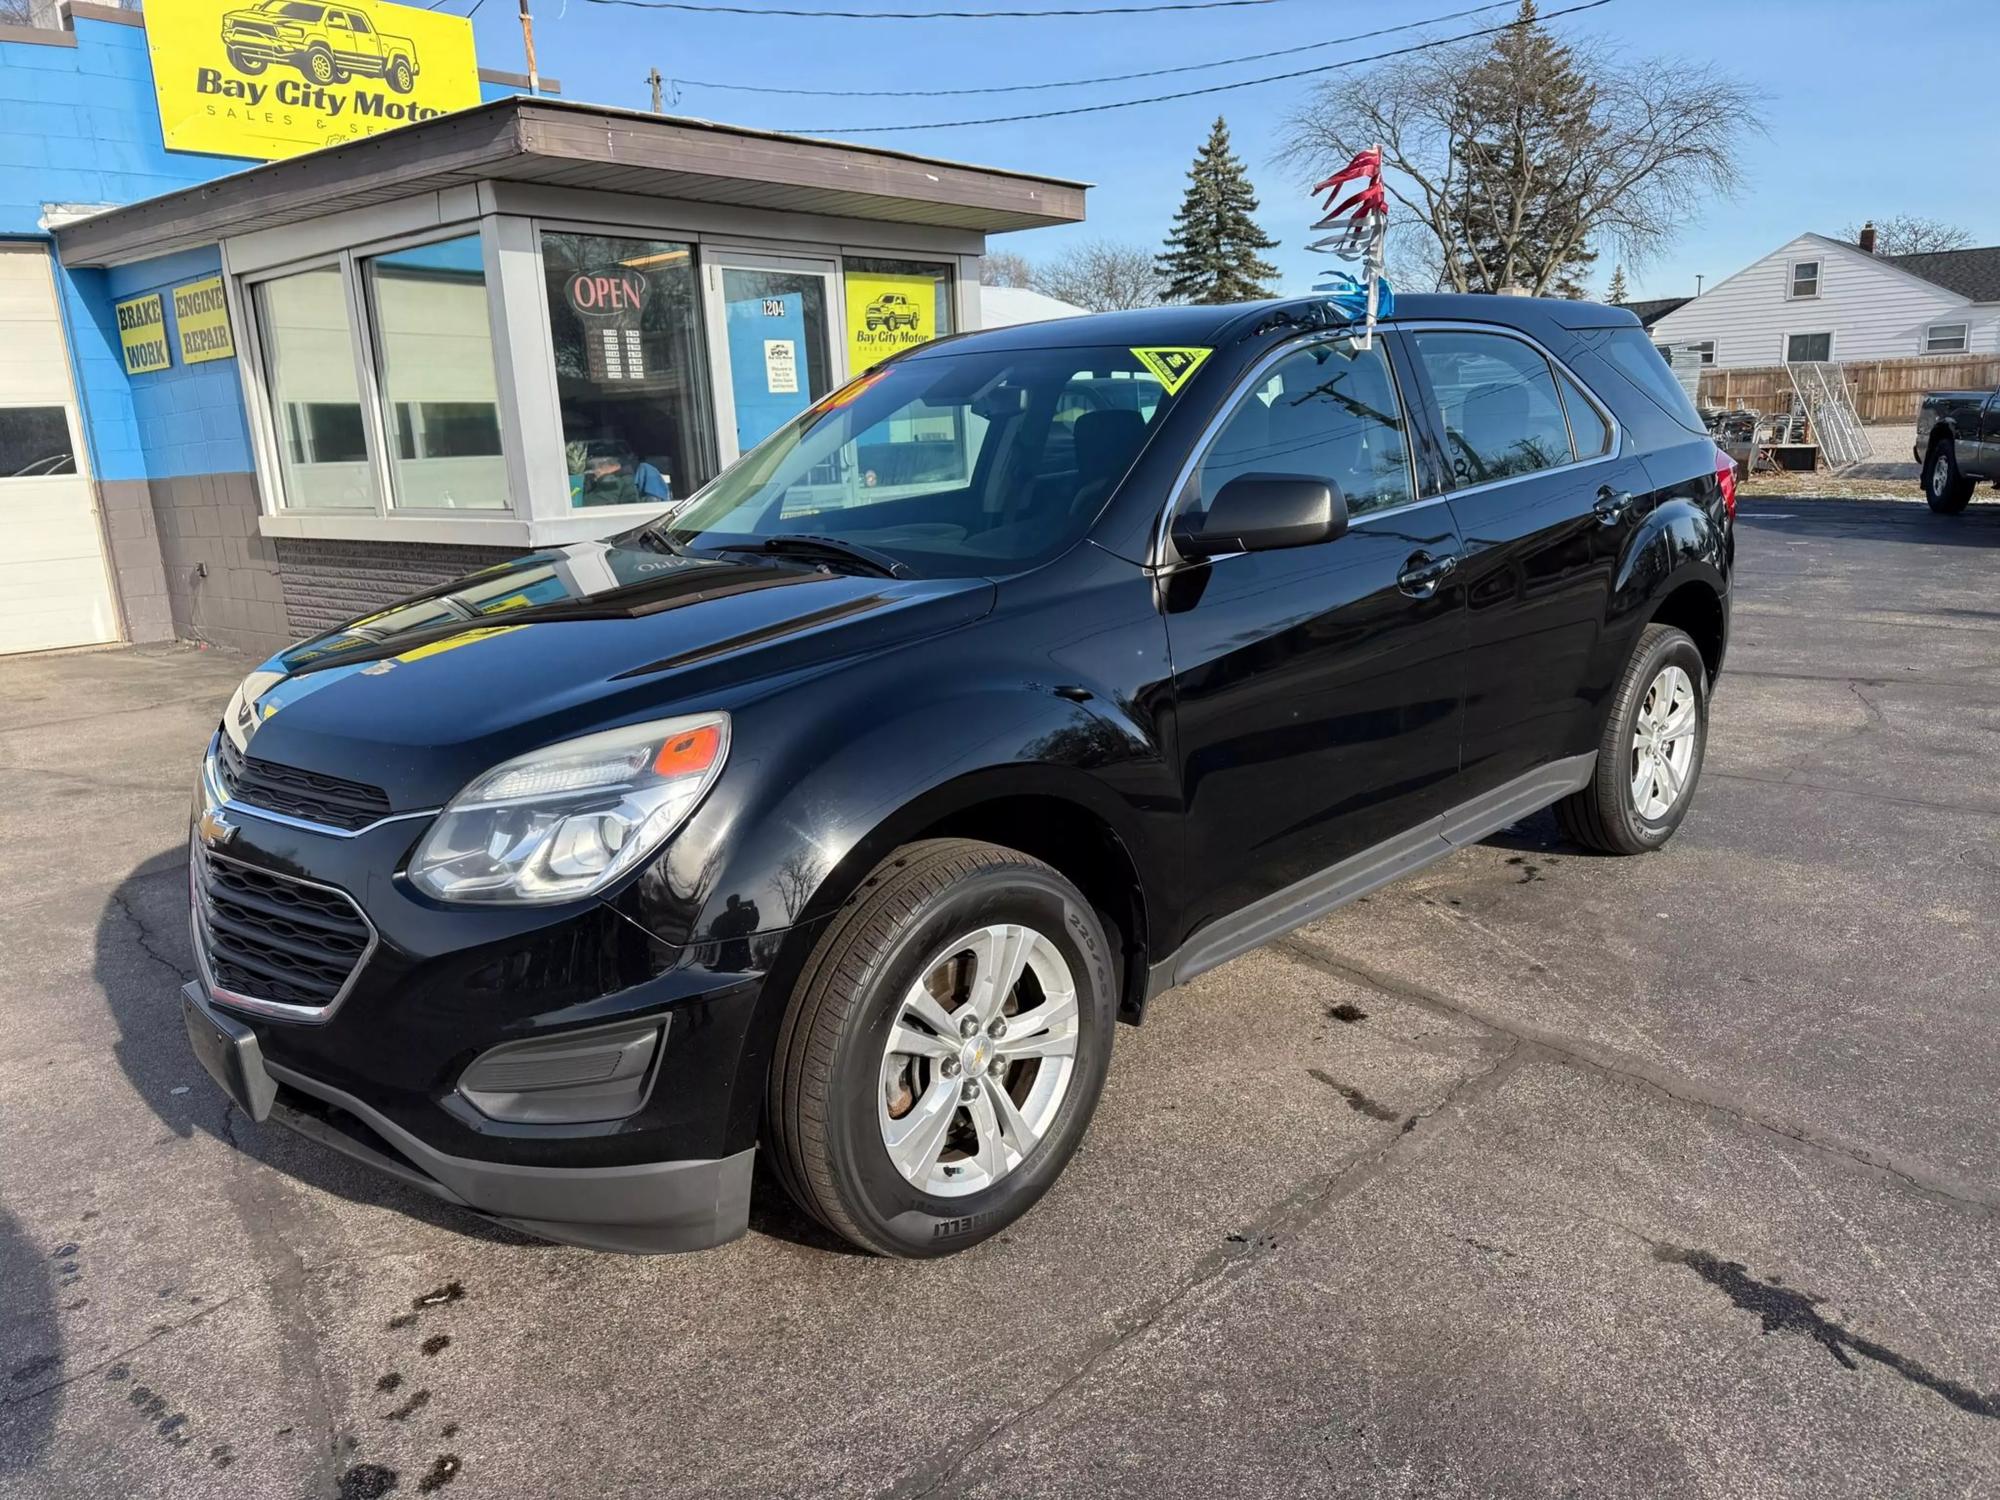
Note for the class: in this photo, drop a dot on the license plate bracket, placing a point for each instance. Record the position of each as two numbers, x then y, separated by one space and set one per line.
229 1050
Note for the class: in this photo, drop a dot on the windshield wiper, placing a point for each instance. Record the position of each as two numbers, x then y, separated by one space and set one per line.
799 544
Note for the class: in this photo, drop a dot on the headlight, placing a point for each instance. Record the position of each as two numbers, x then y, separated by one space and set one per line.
240 719
566 821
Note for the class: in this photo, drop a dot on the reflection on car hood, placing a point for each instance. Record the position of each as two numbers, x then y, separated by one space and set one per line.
420 697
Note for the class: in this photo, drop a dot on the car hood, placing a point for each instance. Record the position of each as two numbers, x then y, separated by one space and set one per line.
422 696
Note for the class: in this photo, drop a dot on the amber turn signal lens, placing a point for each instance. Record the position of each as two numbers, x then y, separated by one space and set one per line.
689 754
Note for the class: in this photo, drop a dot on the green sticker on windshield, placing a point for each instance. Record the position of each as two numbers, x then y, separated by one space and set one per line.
1173 366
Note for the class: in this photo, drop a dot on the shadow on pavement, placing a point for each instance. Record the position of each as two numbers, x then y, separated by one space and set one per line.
143 958
1873 521
33 1345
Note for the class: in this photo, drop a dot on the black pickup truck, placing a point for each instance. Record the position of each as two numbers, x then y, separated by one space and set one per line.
1958 443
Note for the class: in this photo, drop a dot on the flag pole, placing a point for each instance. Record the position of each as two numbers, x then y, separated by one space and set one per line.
1372 268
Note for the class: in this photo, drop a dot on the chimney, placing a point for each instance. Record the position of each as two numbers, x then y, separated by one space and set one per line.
1867 239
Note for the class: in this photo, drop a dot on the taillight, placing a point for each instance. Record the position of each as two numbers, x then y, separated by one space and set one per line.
1725 474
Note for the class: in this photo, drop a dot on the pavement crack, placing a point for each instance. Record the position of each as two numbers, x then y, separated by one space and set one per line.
1243 1249
165 1330
144 939
1594 1059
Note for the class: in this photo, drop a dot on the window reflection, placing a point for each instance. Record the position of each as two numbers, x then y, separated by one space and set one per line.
308 343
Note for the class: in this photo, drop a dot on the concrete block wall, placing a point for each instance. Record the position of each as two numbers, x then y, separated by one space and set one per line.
221 576
139 573
327 583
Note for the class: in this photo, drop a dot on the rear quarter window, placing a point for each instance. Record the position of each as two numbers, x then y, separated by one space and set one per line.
1629 352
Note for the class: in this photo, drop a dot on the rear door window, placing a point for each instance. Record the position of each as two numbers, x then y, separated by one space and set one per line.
1586 423
1497 395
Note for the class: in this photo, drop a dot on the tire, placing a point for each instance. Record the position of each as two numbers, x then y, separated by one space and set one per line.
837 1091
247 65
401 78
1945 488
1607 815
319 66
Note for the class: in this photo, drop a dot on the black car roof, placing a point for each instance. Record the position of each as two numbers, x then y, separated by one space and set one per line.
1191 326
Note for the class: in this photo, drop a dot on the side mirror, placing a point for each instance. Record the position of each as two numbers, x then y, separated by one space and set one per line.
1261 513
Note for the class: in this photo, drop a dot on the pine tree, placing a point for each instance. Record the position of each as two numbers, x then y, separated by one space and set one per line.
1211 254
1527 115
1616 293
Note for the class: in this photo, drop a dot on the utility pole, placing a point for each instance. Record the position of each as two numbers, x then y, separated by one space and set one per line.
528 41
655 80
1697 279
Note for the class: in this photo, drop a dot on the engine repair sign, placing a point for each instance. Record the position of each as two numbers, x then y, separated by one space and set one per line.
275 78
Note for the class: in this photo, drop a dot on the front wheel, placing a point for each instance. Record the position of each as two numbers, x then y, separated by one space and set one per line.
1650 756
1945 488
247 64
320 66
944 1049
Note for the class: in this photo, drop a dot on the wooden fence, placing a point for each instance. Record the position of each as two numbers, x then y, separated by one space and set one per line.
1885 390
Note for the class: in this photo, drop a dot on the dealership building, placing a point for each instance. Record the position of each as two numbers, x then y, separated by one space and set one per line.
241 405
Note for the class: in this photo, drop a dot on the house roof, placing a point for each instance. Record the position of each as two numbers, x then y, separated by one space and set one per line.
1005 306
1651 311
570 144
1973 273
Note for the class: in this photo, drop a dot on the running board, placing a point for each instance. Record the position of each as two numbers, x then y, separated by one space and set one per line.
1289 909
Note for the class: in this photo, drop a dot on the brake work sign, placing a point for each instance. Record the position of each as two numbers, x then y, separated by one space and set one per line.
275 78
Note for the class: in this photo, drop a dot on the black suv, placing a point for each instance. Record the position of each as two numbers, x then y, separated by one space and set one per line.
843 813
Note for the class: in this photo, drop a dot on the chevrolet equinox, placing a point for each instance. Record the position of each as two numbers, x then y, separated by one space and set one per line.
841 814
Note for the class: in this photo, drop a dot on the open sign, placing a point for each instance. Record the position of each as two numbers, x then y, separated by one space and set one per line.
606 294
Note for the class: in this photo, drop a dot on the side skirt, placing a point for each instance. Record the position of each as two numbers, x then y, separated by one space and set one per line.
1287 910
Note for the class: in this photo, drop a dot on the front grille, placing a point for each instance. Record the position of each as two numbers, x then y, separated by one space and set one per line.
266 936
331 801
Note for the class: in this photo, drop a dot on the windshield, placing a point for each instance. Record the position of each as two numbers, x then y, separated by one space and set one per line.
296 10
955 465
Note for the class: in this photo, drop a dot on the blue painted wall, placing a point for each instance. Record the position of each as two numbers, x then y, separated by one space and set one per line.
80 125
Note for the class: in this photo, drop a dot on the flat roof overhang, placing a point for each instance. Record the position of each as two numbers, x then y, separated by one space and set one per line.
568 144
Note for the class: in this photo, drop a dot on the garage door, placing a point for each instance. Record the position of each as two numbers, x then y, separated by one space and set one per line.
54 587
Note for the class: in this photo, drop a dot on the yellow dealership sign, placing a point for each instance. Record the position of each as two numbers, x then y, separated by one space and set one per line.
886 315
142 334
273 78
201 321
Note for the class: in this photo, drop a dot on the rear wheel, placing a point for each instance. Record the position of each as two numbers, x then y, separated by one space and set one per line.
1945 488
944 1049
1650 756
401 78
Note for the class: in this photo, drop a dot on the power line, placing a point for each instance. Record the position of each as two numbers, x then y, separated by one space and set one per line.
1070 83
702 6
1213 88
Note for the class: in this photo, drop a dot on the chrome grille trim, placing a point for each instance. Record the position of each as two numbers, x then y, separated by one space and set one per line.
198 899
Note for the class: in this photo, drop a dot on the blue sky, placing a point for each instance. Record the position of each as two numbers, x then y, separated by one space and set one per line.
1869 103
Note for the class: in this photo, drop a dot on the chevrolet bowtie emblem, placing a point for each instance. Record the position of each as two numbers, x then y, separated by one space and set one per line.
214 828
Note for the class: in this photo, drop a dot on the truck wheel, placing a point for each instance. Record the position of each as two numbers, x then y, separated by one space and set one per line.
944 1049
1650 756
246 64
1947 490
401 78
319 66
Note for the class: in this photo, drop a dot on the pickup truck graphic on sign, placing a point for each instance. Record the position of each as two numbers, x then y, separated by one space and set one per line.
890 310
327 43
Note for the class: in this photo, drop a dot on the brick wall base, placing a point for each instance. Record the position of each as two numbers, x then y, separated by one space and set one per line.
328 583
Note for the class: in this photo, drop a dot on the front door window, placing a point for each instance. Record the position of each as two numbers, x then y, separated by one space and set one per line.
778 347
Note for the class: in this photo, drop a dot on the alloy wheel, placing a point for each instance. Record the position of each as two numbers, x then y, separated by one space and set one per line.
1663 743
979 1060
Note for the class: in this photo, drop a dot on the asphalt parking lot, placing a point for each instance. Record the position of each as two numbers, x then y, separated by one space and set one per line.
1539 1174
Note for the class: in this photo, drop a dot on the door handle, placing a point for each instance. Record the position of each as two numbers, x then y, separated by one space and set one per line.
1612 505
1422 573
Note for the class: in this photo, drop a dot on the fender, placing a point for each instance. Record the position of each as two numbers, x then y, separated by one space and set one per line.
1679 542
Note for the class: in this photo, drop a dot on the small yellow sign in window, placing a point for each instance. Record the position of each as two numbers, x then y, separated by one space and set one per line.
1175 367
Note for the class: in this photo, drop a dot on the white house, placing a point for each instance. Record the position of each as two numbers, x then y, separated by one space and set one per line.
1004 306
1825 299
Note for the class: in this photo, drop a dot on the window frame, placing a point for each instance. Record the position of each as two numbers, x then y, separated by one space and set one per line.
1964 328
267 436
1792 292
78 468
1166 556
1785 346
1433 415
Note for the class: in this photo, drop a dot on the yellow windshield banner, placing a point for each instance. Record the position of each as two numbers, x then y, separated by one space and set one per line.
1174 367
888 314
275 78
142 334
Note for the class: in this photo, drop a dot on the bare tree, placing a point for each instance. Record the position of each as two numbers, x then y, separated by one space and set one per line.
1912 234
1513 185
1005 268
17 12
1102 276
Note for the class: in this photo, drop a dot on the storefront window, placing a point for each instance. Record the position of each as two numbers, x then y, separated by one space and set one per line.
893 305
630 374
315 398
434 341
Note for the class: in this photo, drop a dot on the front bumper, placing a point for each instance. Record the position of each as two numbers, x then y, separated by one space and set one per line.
645 1208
